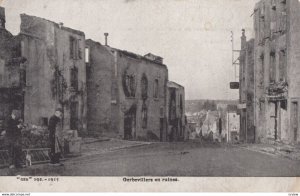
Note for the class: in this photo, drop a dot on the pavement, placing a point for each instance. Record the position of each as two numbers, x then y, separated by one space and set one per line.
91 146
277 149
195 158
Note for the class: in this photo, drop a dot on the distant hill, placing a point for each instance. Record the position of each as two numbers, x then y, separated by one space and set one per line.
205 104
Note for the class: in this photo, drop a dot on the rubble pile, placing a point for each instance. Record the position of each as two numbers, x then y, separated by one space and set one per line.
277 88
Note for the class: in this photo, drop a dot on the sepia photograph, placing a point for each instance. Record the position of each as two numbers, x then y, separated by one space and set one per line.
145 88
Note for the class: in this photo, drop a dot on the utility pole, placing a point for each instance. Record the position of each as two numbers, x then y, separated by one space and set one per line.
232 54
234 61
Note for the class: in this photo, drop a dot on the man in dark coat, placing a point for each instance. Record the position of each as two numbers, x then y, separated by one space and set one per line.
13 134
53 123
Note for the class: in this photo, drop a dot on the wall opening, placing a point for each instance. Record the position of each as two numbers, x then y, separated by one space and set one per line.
130 123
294 118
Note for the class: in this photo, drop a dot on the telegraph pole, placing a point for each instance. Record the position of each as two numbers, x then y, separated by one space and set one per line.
235 62
232 54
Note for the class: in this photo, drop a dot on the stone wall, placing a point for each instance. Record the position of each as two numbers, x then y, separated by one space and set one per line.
130 101
176 112
277 57
293 57
47 48
99 75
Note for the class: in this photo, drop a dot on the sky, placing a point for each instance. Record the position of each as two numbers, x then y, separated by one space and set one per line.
193 36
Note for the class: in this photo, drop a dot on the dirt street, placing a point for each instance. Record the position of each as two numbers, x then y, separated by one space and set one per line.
171 159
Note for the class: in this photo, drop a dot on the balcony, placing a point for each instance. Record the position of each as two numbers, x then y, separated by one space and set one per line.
277 91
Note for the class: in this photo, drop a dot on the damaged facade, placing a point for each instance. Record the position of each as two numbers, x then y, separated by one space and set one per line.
99 65
102 90
138 99
176 112
11 73
277 81
247 126
127 93
55 72
45 64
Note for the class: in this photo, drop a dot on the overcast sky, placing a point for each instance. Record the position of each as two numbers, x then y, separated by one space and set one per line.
193 36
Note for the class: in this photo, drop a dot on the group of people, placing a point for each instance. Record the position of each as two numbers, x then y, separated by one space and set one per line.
14 137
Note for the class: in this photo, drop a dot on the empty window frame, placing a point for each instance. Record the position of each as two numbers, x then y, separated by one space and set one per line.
144 116
75 50
155 89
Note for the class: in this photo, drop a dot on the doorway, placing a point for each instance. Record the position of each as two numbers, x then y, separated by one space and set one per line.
161 128
130 123
274 118
294 118
74 116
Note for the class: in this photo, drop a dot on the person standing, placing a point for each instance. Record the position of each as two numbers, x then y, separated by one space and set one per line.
14 138
55 152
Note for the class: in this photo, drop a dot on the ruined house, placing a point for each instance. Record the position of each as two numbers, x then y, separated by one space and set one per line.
126 93
246 93
11 73
103 90
176 112
277 92
99 65
210 125
233 126
54 72
138 96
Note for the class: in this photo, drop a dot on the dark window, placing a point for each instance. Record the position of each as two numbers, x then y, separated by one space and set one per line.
74 116
172 104
2 23
283 104
144 86
45 121
74 78
75 50
273 67
181 105
282 65
144 116
155 93
130 85
161 112
262 73
23 77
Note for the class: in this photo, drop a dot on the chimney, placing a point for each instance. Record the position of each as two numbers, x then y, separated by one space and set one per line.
243 39
60 25
106 35
2 17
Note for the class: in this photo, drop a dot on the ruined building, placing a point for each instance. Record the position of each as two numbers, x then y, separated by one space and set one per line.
55 72
276 78
11 73
102 90
99 65
126 93
45 63
139 96
176 112
246 93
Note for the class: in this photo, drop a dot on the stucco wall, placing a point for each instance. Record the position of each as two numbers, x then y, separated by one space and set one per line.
153 71
247 133
47 48
179 112
293 57
99 77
